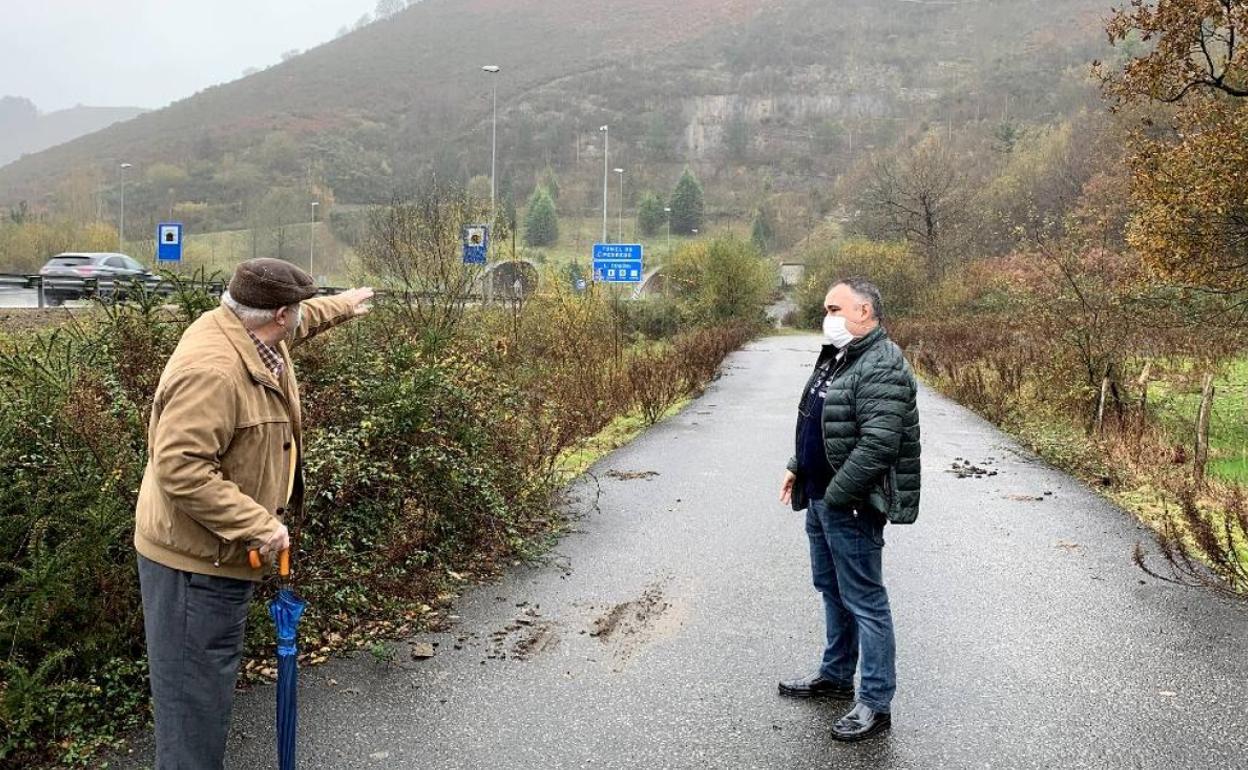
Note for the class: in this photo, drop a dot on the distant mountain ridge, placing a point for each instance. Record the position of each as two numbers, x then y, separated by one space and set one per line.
792 88
24 130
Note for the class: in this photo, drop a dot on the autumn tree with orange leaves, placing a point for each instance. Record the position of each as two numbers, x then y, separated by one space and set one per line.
1190 167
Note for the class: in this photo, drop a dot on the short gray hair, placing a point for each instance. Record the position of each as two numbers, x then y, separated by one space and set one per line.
252 317
866 291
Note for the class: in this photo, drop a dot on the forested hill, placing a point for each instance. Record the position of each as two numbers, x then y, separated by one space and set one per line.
798 87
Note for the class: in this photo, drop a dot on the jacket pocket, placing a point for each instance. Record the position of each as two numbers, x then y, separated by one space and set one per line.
883 498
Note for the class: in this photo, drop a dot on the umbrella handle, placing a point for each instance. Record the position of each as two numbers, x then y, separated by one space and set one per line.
283 561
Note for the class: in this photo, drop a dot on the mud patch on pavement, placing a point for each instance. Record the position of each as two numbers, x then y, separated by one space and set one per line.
526 636
1028 498
628 627
631 475
535 640
965 469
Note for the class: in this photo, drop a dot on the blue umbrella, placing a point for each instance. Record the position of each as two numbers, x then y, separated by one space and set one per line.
286 609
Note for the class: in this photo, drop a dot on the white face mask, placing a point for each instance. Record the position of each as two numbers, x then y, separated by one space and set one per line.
835 332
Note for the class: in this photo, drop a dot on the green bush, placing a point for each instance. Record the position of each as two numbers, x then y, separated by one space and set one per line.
722 280
650 215
654 318
891 265
425 453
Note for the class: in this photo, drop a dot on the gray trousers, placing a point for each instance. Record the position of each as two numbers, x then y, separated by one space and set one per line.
194 626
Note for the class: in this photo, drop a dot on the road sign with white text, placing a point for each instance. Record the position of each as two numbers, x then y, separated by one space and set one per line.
618 262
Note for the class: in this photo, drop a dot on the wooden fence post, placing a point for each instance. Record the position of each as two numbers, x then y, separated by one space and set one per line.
1202 430
1142 384
1100 404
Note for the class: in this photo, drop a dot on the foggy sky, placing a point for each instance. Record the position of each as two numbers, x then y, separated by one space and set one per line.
147 53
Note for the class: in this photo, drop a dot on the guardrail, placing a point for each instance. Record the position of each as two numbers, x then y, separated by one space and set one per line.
53 291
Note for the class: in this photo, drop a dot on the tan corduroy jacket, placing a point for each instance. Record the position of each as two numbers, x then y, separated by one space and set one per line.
223 446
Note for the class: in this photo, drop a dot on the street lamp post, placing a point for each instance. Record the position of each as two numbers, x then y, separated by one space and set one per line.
620 171
606 153
668 211
121 224
312 243
493 69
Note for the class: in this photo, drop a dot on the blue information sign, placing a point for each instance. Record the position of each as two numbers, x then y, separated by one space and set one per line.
169 242
618 262
476 244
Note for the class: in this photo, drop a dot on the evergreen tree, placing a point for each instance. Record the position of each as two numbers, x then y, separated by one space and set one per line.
541 223
550 180
764 232
650 215
688 206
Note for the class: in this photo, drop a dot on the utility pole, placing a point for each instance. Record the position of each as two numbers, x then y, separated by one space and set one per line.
121 224
312 243
493 69
620 171
606 153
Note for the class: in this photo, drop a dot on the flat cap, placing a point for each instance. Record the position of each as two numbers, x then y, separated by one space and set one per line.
267 284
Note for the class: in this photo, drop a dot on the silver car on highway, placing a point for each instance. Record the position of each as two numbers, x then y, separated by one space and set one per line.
65 276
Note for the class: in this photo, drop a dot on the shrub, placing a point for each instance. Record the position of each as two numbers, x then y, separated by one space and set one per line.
654 318
650 215
425 453
722 280
656 380
891 265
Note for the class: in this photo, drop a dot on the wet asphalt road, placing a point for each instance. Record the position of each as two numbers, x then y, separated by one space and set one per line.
18 298
655 634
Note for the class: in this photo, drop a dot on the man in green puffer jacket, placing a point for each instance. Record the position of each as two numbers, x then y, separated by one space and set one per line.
856 468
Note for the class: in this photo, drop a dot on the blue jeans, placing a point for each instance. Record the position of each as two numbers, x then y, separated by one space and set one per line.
845 560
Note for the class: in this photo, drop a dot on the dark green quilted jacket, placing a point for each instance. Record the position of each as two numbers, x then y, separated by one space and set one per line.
870 431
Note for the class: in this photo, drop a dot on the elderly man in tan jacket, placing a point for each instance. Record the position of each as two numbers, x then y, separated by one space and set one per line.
223 469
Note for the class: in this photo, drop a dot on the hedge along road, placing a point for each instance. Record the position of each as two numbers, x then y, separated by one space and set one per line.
654 635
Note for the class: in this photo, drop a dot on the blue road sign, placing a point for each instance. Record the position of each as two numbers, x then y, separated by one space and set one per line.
476 244
618 262
169 242
617 272
617 252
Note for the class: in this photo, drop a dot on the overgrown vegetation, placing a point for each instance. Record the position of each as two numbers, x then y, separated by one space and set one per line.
1081 281
438 437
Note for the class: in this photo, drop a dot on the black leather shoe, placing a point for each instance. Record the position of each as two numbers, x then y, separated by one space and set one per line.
815 687
861 723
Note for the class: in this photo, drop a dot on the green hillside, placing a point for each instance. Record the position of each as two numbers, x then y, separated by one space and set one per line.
762 97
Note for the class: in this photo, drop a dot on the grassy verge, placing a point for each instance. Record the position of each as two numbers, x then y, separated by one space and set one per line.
620 432
1177 404
1144 469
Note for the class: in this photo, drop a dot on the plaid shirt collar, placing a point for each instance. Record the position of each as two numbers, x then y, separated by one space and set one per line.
269 355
